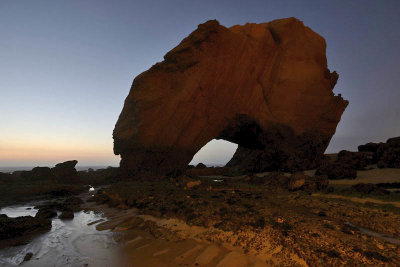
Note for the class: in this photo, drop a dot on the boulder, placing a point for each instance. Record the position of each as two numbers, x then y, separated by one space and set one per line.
41 173
300 181
385 155
317 183
297 180
356 160
28 256
346 165
388 154
22 226
192 184
66 215
337 170
368 147
263 86
46 213
65 172
201 166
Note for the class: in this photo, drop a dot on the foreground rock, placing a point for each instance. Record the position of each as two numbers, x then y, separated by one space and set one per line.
254 214
66 214
263 86
300 181
16 231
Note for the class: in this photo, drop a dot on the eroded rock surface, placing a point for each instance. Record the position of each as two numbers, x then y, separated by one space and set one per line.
385 155
263 86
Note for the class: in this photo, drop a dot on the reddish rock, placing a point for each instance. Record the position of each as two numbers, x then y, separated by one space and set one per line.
301 181
263 86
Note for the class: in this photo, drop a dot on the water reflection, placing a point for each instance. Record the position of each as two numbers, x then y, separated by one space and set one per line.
68 243
17 211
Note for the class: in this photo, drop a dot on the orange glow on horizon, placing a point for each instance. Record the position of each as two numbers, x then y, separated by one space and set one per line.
20 152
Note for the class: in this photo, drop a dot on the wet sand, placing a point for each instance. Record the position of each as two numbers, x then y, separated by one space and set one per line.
73 242
151 241
359 200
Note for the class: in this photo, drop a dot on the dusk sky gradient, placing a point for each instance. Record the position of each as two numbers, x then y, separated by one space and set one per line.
67 66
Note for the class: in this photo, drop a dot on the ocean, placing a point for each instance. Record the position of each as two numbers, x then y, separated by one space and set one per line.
28 168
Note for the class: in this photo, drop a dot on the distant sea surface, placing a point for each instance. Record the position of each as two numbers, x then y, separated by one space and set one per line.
28 168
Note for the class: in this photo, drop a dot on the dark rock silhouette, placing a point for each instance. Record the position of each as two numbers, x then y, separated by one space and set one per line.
337 170
263 86
385 155
66 172
19 230
356 160
66 214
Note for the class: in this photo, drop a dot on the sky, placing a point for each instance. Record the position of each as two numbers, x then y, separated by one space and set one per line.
67 66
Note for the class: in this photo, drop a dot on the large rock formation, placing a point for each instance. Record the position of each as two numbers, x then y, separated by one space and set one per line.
263 86
386 155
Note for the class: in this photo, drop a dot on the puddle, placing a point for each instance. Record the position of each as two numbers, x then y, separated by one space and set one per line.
387 238
68 243
17 211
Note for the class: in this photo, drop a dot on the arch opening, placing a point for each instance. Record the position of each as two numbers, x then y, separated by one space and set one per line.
217 152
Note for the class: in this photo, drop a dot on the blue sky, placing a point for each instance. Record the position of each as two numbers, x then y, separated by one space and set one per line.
67 66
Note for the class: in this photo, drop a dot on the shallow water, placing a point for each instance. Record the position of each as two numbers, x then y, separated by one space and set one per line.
68 243
387 238
17 211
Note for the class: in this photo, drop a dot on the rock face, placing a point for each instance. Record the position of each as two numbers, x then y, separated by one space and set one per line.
24 226
385 155
263 86
66 172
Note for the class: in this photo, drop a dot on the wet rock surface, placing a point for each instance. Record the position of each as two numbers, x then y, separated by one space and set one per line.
66 214
263 86
19 230
263 214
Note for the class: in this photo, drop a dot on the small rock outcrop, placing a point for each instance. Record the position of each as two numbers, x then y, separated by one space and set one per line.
66 214
300 181
66 172
22 228
337 170
385 155
263 86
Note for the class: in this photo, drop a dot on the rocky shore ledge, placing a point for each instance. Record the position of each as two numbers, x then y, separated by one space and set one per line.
250 220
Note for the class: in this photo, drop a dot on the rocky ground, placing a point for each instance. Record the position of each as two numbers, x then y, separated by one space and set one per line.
216 217
54 188
49 183
270 218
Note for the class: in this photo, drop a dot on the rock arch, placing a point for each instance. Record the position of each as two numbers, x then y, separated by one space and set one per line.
263 86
